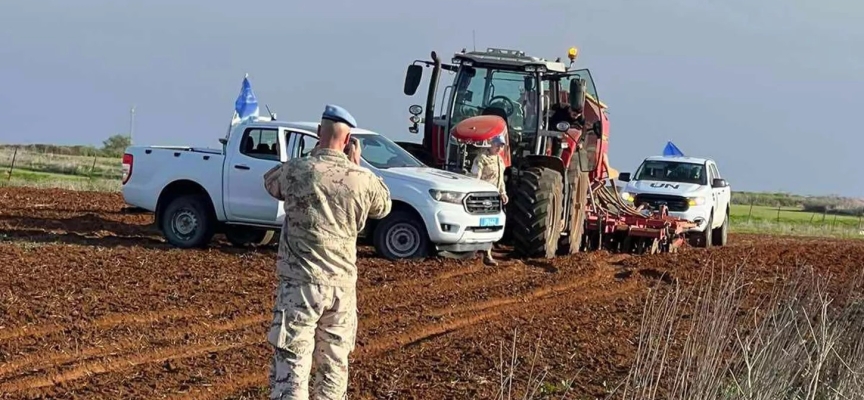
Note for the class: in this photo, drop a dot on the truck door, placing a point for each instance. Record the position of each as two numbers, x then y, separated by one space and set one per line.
245 198
722 195
292 144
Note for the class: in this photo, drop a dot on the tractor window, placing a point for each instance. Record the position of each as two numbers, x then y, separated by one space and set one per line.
481 91
672 171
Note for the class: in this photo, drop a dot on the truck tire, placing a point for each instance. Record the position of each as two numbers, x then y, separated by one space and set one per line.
720 235
187 221
242 236
537 213
703 239
401 235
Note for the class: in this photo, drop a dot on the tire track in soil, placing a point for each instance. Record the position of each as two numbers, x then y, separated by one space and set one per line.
120 347
546 296
112 320
226 389
122 363
409 295
412 285
493 308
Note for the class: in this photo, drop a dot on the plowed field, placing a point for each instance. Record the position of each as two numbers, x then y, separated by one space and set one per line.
93 304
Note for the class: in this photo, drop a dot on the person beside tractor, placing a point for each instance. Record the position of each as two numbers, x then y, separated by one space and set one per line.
327 198
489 166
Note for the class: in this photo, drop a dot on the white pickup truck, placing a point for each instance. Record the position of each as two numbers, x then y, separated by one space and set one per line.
196 193
692 189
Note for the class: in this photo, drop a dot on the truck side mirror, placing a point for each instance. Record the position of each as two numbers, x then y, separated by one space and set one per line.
624 177
412 79
719 183
223 140
577 94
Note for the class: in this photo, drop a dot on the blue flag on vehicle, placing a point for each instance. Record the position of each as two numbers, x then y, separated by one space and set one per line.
246 105
672 150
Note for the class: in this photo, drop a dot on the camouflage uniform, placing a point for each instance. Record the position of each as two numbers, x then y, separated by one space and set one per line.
327 201
490 168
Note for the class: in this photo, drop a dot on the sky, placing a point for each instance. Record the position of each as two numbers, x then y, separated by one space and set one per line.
770 89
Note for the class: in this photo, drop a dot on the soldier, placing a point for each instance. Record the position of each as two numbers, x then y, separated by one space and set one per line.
489 166
328 197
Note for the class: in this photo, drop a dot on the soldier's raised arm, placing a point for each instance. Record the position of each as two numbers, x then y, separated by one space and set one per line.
380 203
273 182
477 167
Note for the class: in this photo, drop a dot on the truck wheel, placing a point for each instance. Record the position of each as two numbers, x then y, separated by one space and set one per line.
401 235
537 213
720 234
703 239
186 222
242 236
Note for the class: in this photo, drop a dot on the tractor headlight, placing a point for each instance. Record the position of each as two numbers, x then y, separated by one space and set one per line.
695 201
627 197
447 196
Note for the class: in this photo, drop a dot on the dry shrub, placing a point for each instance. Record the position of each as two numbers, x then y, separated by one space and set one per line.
798 344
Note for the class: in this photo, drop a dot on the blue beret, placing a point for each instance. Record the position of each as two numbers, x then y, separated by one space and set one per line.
499 140
338 114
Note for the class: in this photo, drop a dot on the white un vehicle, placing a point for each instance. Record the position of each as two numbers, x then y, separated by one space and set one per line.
196 193
691 188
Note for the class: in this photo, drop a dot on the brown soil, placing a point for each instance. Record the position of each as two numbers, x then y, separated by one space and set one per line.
93 304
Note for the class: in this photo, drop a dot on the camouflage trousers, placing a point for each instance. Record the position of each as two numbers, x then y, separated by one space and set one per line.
312 323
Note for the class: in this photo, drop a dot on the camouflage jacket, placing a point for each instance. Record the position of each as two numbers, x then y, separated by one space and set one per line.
327 201
490 169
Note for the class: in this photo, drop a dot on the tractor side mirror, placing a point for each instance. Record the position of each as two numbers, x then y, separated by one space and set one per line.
412 79
624 177
577 94
719 183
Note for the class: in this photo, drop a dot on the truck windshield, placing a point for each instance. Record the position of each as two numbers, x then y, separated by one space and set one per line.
672 171
480 90
382 153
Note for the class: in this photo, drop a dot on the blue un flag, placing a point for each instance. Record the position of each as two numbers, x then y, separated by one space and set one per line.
672 150
246 105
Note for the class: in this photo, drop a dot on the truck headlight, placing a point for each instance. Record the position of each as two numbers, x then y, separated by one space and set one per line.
627 197
695 201
447 196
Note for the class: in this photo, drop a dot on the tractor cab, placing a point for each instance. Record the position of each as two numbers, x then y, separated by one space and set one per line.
531 95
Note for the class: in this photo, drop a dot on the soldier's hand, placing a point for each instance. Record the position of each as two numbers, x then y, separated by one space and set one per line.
504 198
354 151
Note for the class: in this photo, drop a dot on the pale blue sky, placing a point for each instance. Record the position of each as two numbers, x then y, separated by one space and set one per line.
772 89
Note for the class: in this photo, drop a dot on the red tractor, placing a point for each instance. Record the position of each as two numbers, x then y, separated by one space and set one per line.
557 140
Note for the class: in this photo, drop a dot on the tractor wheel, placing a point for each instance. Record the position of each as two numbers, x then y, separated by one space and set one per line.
578 199
537 201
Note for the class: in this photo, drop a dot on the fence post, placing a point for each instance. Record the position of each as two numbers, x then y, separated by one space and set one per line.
12 167
749 214
778 212
92 167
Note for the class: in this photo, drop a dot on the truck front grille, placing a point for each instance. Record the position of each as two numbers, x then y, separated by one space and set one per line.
483 203
675 203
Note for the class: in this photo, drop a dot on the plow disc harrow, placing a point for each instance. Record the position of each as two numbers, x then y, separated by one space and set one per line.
616 226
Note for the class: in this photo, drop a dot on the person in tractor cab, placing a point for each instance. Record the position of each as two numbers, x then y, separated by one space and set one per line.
489 166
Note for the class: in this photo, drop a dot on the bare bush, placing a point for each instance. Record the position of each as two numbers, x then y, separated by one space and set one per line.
799 345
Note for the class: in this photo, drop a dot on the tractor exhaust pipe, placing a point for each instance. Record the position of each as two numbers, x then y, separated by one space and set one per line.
428 122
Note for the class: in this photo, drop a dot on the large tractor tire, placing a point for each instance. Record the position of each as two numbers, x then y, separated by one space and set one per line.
572 243
537 201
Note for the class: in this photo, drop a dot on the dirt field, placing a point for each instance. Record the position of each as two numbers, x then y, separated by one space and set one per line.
94 305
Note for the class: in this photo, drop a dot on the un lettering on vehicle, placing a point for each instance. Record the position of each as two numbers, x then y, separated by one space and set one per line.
664 185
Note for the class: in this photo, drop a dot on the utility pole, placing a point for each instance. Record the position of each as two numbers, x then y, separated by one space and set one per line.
131 122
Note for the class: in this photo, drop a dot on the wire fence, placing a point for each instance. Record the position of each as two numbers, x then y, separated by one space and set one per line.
827 221
23 164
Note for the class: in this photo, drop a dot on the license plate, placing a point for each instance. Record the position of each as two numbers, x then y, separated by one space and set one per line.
493 221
